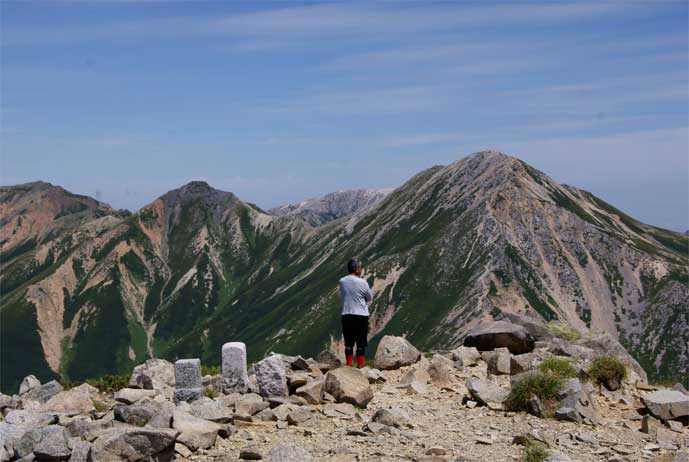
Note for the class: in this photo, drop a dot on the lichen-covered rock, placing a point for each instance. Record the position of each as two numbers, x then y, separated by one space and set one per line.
395 352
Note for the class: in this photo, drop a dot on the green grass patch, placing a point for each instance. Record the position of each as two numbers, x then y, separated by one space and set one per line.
608 371
544 385
110 383
564 332
559 367
535 452
210 370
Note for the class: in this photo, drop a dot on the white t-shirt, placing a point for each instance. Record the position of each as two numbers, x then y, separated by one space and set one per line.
355 295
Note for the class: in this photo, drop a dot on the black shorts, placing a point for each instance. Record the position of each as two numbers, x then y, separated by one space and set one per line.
355 330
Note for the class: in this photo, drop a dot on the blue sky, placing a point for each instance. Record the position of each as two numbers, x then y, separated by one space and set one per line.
279 101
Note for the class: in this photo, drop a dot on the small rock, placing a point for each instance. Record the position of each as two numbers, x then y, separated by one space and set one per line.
271 377
250 453
132 395
348 385
29 383
465 356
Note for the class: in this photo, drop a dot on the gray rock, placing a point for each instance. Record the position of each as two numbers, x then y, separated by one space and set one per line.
497 334
393 417
27 442
577 396
535 407
395 352
134 414
250 404
214 411
54 444
339 410
72 402
163 416
499 362
194 433
29 383
130 444
667 404
348 385
312 392
373 375
568 414
187 394
605 344
289 453
234 372
537 329
558 458
465 356
80 450
486 392
132 395
271 377
440 369
30 418
329 358
154 374
43 393
300 364
299 416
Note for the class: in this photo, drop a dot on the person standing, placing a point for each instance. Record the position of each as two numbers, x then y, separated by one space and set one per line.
356 296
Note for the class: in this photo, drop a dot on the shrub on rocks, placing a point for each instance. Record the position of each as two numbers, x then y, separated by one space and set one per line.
535 452
559 367
543 386
608 371
563 332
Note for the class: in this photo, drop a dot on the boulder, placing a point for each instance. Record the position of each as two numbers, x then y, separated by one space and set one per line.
339 410
289 453
154 374
81 450
500 334
71 402
234 372
300 415
415 381
667 404
440 369
43 393
214 411
538 330
465 356
163 416
577 396
395 352
133 444
271 377
373 375
348 385
312 392
132 395
499 361
250 404
134 414
54 444
194 433
487 393
29 383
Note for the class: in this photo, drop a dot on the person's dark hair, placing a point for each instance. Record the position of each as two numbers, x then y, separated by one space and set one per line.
352 265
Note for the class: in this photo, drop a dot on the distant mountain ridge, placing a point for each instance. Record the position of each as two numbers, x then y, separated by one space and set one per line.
333 206
454 245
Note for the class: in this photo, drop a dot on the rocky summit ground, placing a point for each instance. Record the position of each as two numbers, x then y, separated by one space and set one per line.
406 406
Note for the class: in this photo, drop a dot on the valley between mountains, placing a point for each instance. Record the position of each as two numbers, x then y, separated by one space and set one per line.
87 290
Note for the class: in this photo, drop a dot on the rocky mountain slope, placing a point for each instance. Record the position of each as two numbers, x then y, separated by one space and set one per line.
454 245
333 206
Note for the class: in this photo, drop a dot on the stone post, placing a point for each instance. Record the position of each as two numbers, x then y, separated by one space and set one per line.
188 380
234 374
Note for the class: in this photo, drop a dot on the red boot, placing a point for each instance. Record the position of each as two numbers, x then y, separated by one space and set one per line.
360 359
350 360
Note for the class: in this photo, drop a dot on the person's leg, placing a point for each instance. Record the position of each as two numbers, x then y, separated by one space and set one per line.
348 332
361 341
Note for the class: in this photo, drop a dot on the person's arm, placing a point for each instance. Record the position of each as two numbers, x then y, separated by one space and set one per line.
369 294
